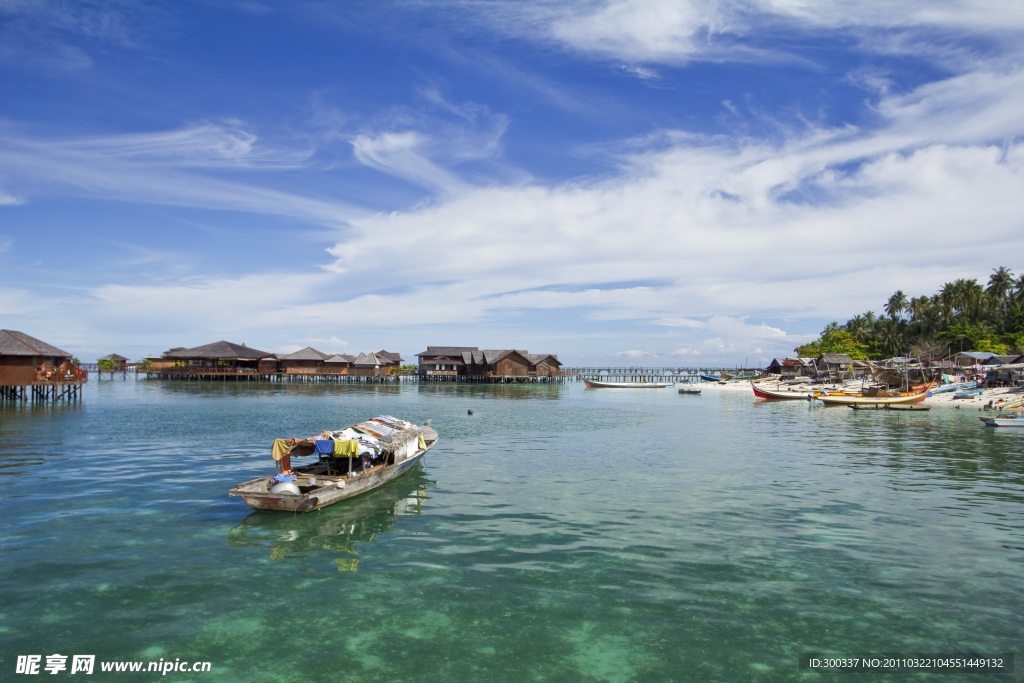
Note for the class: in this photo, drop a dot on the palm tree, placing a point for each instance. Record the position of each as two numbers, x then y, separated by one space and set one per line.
896 305
1000 283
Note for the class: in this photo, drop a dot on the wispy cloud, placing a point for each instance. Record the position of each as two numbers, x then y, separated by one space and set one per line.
181 168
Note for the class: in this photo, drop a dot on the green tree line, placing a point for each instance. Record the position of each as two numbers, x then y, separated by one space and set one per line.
962 316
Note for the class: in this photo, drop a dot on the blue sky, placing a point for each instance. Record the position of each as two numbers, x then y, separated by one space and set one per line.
619 182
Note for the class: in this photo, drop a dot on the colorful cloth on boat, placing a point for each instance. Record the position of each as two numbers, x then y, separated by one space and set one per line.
346 448
282 478
281 448
324 447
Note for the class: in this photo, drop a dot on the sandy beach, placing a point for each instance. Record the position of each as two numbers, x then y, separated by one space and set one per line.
997 395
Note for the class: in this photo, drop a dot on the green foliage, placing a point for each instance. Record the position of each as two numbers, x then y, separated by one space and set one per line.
962 316
833 340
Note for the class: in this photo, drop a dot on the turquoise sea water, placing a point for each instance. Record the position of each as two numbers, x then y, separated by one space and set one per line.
558 533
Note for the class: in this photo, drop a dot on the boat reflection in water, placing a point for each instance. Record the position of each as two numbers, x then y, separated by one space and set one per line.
339 530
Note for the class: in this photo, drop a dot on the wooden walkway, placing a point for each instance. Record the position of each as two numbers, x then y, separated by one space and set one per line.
640 374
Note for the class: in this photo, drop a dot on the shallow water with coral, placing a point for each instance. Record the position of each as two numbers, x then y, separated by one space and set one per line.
557 533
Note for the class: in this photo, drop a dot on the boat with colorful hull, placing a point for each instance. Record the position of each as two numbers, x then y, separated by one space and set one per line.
350 461
790 394
877 400
594 384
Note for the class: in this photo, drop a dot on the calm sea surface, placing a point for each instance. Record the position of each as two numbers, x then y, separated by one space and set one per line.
558 533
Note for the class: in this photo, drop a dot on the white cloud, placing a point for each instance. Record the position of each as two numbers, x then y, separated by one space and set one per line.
635 354
399 154
9 200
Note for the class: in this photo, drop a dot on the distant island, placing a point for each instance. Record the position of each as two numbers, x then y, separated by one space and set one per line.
962 316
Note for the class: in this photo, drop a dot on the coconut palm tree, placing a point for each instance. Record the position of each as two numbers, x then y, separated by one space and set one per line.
1000 283
897 304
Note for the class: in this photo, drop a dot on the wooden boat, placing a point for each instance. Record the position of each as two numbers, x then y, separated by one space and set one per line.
350 461
594 384
689 390
1005 421
892 406
881 398
711 378
760 392
968 394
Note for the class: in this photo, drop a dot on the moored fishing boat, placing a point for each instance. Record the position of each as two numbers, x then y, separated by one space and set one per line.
594 384
881 398
1004 421
349 461
968 394
689 390
791 394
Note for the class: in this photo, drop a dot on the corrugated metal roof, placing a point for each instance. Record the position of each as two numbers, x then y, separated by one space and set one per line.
14 343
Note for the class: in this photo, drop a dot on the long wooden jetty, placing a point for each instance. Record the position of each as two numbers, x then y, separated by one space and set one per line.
642 374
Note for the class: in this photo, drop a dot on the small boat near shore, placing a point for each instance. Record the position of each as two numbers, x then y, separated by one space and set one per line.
594 384
1004 421
689 390
350 461
779 394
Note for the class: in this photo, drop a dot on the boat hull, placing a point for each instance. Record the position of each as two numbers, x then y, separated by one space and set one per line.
593 384
781 395
872 400
326 491
1003 421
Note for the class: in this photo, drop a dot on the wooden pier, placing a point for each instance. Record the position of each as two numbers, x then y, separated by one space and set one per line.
50 392
640 374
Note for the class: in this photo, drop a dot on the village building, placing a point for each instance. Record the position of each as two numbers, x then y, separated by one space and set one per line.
307 361
470 362
220 358
789 367
835 366
113 361
31 369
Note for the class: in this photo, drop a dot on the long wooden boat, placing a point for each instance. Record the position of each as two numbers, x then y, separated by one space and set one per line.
711 378
350 461
594 384
876 400
1005 421
914 407
689 390
760 392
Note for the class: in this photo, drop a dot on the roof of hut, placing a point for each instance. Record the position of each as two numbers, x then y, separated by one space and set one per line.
220 349
446 350
341 358
390 356
308 353
367 360
113 356
14 343
535 358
